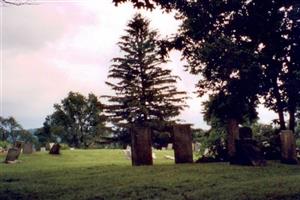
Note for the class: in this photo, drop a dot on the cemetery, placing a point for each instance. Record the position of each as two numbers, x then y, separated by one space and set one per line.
150 99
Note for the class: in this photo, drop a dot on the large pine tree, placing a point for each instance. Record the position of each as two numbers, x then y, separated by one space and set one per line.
145 92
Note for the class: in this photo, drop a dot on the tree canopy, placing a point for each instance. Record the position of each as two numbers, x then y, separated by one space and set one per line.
77 120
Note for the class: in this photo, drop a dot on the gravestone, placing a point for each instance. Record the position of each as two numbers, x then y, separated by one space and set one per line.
55 150
247 150
141 151
288 147
170 146
27 148
49 146
197 147
43 149
182 136
12 155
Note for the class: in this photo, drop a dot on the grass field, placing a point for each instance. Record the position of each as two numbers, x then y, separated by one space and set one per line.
106 174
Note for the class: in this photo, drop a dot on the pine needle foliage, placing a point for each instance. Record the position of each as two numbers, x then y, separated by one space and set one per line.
145 91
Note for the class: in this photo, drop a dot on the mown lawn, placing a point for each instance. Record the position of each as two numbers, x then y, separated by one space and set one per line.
107 174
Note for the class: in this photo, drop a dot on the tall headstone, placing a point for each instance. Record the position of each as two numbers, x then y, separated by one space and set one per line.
18 145
170 146
288 147
141 146
182 137
28 148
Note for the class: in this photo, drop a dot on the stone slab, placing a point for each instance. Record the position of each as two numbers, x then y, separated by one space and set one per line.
141 153
182 137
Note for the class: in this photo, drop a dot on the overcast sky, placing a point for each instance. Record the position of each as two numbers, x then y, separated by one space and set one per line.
55 47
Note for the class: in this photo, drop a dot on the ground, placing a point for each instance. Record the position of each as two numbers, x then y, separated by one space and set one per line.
107 174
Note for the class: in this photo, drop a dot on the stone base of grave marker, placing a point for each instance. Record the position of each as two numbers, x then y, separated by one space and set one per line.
141 151
288 147
182 143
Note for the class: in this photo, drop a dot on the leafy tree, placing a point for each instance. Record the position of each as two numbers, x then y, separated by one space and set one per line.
267 31
44 134
10 129
146 94
77 121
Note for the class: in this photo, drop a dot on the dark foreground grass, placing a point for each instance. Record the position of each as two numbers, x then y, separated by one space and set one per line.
106 174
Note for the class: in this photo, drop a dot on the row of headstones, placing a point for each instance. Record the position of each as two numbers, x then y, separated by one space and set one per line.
142 148
14 152
248 152
195 146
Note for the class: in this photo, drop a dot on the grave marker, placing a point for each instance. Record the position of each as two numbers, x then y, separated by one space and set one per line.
27 148
141 151
183 143
288 147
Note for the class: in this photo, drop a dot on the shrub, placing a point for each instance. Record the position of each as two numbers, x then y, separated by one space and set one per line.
64 146
5 144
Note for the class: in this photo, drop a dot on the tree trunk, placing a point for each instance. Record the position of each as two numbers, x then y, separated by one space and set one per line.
232 135
292 122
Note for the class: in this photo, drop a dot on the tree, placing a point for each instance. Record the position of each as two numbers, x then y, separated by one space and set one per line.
146 94
77 120
16 2
11 130
267 30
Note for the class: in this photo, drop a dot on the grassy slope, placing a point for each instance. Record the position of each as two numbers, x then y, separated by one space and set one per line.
106 174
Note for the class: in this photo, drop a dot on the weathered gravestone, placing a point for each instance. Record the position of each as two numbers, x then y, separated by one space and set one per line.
141 151
43 149
182 137
170 146
288 147
27 148
12 155
49 146
247 150
55 150
197 146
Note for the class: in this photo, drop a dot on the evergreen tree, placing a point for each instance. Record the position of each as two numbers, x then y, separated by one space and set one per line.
146 94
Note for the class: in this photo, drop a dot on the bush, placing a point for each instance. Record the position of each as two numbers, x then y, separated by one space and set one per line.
64 146
5 144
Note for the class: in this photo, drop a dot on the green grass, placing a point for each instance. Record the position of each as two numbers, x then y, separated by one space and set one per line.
106 174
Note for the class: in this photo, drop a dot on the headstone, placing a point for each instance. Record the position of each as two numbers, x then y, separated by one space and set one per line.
247 150
153 156
182 143
18 144
27 148
288 147
49 146
163 148
197 147
127 152
170 146
141 151
43 149
72 148
55 150
12 155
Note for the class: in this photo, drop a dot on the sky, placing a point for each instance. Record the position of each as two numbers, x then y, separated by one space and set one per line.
54 47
